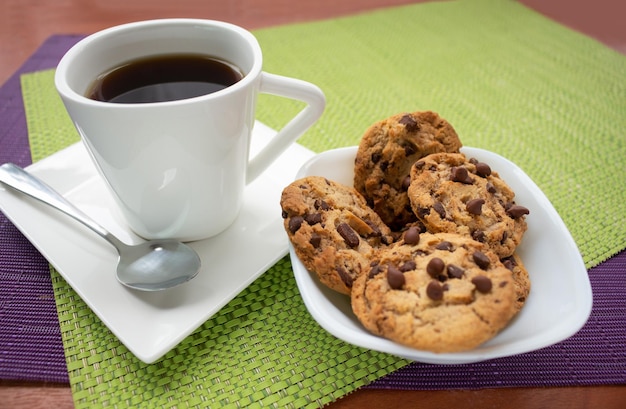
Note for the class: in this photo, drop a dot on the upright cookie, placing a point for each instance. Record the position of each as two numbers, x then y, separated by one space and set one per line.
438 292
386 152
333 231
453 194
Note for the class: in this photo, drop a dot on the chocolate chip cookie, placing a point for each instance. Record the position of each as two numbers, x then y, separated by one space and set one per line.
439 292
451 193
386 152
333 231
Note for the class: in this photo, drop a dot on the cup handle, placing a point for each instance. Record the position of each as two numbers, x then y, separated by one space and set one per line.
294 89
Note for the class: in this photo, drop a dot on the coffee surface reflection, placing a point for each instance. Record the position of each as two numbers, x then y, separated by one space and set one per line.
164 78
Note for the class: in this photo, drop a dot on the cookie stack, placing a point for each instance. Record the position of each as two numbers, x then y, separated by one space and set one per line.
423 243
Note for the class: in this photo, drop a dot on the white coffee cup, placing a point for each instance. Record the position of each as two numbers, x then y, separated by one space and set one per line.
177 169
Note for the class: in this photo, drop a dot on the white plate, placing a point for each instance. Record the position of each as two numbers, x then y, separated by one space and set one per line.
557 307
151 324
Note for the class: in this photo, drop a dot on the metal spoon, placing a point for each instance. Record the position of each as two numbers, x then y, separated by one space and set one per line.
149 266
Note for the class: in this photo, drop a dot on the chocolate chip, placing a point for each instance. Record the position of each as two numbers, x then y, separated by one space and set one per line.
348 234
409 123
509 262
408 266
481 260
445 245
434 290
435 267
395 278
482 169
315 240
387 239
482 283
406 182
461 175
284 214
478 235
419 164
475 206
455 271
375 270
321 204
458 174
376 157
345 277
505 236
313 218
294 223
409 149
412 235
491 188
375 229
438 207
516 211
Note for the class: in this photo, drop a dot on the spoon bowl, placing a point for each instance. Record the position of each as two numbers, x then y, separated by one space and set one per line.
148 266
152 265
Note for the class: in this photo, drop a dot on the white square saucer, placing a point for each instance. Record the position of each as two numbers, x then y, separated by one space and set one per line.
151 324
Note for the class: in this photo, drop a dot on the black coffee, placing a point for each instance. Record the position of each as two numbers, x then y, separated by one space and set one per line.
164 78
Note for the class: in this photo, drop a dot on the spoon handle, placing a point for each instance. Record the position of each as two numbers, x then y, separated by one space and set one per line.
22 181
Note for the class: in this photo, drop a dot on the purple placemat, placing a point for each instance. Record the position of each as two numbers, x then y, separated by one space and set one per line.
31 347
30 339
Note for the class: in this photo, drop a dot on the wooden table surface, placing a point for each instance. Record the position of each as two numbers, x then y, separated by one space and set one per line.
25 24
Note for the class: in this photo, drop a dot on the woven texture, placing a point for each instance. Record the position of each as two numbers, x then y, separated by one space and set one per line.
510 81
262 349
30 340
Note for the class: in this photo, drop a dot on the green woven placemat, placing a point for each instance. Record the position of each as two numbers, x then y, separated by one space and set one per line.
508 79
